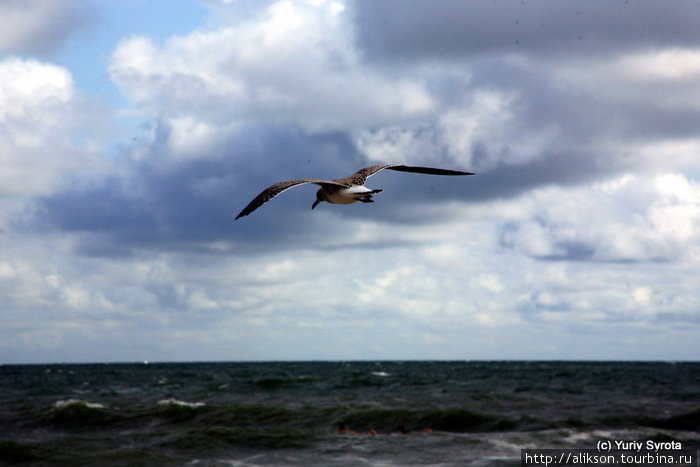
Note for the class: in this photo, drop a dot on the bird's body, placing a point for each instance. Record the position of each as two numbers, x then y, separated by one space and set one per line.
343 190
353 194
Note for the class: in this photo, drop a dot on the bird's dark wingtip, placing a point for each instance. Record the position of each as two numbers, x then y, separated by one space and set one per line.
426 170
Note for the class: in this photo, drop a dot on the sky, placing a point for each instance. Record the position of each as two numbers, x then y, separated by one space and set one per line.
133 132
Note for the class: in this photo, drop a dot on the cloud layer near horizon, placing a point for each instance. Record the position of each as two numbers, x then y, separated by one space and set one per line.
578 238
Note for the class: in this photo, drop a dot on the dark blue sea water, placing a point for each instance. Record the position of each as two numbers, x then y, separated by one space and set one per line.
456 413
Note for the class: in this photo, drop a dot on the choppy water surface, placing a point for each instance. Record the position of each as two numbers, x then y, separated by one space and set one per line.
455 413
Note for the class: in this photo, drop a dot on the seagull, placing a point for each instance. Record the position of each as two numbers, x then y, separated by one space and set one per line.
343 190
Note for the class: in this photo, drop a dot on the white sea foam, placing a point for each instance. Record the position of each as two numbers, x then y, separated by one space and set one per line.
77 403
509 445
578 437
380 373
192 405
602 434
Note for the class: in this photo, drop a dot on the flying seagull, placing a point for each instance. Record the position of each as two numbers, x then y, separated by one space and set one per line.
343 190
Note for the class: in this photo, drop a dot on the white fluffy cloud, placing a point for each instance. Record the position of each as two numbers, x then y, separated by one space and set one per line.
479 131
631 218
293 63
49 133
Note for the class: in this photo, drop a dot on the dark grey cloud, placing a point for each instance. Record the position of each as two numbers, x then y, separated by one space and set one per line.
449 29
168 211
160 203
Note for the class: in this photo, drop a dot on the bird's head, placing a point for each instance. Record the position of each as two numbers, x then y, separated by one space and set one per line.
320 196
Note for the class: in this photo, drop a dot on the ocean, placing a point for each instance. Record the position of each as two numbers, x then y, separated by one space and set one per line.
291 413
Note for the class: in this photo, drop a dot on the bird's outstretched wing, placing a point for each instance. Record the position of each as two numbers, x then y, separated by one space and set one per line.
270 192
359 177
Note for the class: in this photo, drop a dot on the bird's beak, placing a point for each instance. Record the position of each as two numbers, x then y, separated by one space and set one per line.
315 204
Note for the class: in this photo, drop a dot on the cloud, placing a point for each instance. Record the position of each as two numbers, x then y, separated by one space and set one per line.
35 27
580 228
201 161
450 31
626 80
529 80
630 218
50 133
154 202
293 63
479 132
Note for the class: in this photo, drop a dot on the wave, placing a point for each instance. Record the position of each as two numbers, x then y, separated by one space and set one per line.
252 422
77 403
177 403
175 411
689 421
76 413
451 419
208 438
465 421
